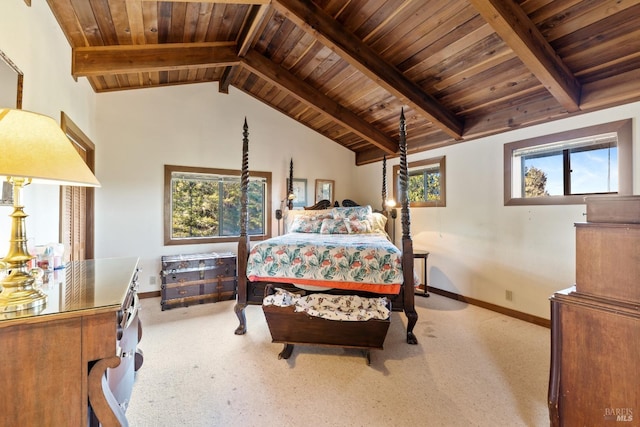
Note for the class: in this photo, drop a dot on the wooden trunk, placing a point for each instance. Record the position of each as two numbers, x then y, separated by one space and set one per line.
197 278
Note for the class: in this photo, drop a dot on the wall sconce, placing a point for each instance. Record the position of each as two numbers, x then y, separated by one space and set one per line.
279 217
393 212
280 213
34 149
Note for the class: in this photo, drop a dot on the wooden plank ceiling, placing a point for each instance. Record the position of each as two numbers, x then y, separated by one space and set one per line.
461 69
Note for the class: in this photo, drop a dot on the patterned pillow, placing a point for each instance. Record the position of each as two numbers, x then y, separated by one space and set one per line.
292 215
356 226
356 212
378 222
333 226
306 224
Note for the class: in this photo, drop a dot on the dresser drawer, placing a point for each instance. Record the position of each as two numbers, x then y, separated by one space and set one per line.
607 256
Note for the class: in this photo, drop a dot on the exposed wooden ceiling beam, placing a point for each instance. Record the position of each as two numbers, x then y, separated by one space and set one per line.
319 102
323 27
211 1
414 145
100 60
250 29
516 29
225 80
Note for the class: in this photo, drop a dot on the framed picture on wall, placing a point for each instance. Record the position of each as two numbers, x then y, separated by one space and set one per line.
325 190
299 192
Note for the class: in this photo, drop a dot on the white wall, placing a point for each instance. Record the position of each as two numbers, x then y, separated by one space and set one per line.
32 39
140 131
478 247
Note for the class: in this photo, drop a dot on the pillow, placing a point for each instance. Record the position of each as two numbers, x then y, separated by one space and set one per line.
326 213
355 212
291 215
378 223
333 226
305 224
356 226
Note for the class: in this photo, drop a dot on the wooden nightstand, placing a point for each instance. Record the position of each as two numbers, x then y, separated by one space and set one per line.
423 255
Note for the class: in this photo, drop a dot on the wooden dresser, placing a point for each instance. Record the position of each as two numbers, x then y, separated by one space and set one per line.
73 363
595 325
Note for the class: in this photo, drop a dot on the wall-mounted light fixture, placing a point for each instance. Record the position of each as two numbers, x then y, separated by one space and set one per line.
279 218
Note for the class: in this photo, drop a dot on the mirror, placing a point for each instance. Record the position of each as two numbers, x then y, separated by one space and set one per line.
10 83
10 96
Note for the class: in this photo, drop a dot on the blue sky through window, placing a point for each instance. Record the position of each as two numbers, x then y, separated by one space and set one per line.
594 171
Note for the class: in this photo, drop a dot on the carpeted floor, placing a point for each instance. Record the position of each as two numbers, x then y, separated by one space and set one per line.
472 367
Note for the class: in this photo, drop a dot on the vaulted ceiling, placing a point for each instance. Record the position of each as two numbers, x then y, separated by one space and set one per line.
461 69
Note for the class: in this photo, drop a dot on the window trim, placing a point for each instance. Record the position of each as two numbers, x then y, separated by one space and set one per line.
169 169
625 167
441 162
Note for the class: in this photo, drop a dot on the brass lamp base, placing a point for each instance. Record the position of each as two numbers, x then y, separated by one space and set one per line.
18 294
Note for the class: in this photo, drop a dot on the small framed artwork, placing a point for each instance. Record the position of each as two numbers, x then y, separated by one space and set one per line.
299 192
325 190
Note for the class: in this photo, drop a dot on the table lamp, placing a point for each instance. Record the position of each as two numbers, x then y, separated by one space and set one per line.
34 149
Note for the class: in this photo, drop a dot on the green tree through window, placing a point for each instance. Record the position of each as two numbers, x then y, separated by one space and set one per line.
535 182
204 205
426 186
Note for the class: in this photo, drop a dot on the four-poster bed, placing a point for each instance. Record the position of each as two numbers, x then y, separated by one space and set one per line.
252 282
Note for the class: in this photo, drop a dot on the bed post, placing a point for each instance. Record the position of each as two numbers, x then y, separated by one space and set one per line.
243 241
407 244
290 188
384 184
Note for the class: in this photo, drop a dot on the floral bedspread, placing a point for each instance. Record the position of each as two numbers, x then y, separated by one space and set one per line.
366 262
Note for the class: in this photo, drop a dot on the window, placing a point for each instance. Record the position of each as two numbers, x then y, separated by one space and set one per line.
565 167
203 205
426 186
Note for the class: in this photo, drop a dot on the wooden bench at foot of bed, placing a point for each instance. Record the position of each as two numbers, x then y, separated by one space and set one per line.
289 327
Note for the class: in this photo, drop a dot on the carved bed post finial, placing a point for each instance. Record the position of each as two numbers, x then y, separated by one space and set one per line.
290 189
384 183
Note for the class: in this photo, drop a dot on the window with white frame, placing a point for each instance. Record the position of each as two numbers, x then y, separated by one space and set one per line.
565 167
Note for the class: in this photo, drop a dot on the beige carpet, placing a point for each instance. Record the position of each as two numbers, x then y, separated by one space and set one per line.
472 367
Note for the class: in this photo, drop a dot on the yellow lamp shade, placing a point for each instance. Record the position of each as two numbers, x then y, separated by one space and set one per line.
33 146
